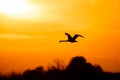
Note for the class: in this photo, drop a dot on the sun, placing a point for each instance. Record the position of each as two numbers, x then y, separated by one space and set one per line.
13 7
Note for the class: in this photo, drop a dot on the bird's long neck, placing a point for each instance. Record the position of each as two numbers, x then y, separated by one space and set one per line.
63 40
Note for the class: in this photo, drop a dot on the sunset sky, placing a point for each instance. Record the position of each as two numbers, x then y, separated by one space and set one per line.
30 31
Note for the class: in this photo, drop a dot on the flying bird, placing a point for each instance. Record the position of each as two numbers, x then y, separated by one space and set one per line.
70 38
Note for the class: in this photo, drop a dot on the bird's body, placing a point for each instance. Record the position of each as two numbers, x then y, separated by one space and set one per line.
70 38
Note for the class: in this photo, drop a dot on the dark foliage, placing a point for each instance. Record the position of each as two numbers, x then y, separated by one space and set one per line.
77 69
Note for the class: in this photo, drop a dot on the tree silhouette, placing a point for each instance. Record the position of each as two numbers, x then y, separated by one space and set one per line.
77 69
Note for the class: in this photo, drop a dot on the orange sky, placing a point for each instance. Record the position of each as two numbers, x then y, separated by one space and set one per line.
30 39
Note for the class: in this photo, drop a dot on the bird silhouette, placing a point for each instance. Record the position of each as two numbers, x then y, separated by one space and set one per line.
70 38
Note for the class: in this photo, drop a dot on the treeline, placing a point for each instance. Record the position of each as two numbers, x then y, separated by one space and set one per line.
77 69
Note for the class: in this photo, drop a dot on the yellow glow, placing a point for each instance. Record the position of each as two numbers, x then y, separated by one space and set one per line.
12 7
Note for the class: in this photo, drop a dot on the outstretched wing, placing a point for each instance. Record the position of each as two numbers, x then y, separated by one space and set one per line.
75 36
69 36
81 36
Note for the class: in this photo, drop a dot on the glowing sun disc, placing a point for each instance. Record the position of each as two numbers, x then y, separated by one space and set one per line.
12 7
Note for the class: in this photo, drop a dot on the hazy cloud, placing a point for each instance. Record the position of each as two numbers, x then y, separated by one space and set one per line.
19 36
